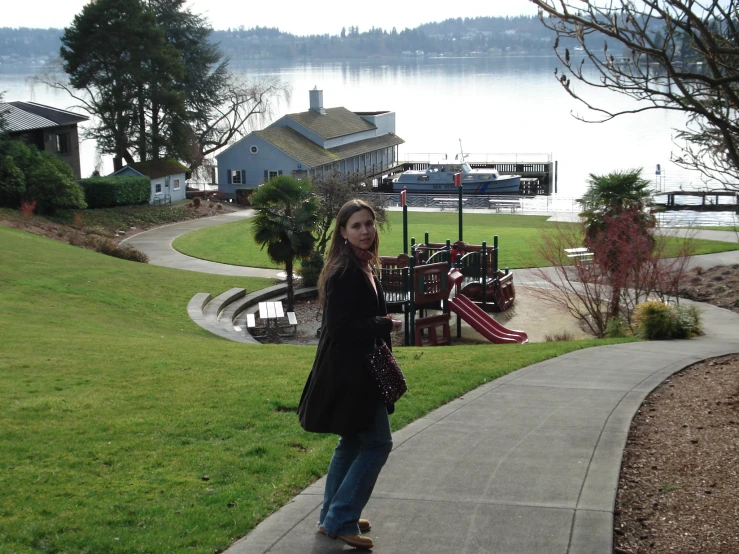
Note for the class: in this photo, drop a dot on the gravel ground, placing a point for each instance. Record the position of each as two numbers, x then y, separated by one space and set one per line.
679 485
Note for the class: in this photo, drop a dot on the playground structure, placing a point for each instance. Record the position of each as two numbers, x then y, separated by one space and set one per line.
460 278
426 279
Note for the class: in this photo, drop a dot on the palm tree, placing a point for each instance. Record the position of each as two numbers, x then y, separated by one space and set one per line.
613 206
609 195
287 212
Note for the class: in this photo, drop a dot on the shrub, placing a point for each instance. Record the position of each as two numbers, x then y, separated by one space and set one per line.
12 182
27 208
310 269
109 248
196 201
659 321
687 322
28 173
616 328
100 231
119 190
243 197
653 320
559 337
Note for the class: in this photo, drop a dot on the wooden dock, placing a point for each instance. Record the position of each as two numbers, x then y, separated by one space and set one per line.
709 200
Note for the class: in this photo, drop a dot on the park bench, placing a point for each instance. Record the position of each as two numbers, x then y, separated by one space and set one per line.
256 331
579 254
449 202
498 204
291 327
162 199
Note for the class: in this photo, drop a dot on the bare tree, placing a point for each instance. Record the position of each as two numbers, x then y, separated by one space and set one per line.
334 190
625 271
246 105
679 55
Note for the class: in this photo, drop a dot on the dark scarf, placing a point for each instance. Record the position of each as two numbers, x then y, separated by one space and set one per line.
362 256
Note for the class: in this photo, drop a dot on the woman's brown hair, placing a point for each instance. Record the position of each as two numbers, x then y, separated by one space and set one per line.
339 252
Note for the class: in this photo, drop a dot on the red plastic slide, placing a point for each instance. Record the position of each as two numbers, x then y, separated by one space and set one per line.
483 323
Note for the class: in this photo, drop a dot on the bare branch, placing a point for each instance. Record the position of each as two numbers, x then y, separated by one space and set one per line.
679 55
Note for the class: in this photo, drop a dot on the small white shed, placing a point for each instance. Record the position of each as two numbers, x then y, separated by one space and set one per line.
167 179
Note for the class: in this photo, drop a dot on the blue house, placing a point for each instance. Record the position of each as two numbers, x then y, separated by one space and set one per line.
309 145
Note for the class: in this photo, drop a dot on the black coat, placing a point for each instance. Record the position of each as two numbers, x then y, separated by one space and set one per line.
340 396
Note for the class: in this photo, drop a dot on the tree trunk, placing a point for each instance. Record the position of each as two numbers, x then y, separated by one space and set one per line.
142 125
290 300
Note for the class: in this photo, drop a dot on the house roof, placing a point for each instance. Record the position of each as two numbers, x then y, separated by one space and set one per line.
154 169
310 154
28 116
336 122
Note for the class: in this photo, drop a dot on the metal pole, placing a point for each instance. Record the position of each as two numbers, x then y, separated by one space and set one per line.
412 302
460 213
405 219
484 263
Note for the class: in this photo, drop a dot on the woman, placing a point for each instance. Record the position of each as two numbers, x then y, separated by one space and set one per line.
340 396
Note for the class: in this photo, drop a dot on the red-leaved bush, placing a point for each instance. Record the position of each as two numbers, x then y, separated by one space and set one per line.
630 264
27 208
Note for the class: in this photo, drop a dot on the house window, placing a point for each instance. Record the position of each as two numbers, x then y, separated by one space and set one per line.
236 177
158 188
253 149
176 185
271 175
62 143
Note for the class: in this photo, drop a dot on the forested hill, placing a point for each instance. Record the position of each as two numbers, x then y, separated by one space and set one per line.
468 36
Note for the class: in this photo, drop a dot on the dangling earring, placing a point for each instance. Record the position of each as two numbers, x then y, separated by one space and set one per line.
346 240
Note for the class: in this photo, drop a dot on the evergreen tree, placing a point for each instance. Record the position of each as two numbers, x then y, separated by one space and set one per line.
115 51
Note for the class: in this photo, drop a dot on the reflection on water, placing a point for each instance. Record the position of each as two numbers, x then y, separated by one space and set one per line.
504 105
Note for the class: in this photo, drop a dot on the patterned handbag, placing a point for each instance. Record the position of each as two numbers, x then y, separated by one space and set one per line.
387 373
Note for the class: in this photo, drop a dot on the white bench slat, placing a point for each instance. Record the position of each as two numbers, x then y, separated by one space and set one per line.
291 318
251 321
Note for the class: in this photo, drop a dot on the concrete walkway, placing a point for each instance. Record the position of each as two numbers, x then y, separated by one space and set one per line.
157 244
528 463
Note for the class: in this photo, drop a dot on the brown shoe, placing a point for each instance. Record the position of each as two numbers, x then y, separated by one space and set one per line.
364 525
357 541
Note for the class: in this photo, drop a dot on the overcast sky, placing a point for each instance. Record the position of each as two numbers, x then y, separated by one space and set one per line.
300 17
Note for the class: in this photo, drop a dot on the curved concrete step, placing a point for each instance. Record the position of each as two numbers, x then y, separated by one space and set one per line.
203 310
225 315
213 309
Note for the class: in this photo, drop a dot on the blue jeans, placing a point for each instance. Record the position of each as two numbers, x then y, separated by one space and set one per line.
352 475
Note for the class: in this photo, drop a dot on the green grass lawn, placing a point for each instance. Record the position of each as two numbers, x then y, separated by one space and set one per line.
126 428
517 234
719 228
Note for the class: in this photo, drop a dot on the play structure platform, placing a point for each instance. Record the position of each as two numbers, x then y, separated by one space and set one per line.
462 279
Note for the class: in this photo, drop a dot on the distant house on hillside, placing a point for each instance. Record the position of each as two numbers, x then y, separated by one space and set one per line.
167 178
48 128
309 144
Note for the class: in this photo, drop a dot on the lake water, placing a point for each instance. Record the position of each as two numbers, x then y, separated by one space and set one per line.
512 107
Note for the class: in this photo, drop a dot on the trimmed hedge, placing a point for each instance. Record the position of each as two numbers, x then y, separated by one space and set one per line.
119 190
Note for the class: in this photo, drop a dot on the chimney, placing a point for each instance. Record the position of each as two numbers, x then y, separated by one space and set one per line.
316 101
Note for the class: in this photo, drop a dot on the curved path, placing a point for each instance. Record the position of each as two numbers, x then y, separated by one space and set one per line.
528 463
157 244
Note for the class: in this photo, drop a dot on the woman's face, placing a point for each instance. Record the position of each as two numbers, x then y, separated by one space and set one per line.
360 229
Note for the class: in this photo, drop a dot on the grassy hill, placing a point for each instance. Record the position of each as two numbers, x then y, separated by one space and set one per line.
125 427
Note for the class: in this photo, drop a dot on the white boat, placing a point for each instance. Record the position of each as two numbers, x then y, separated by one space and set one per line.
438 178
